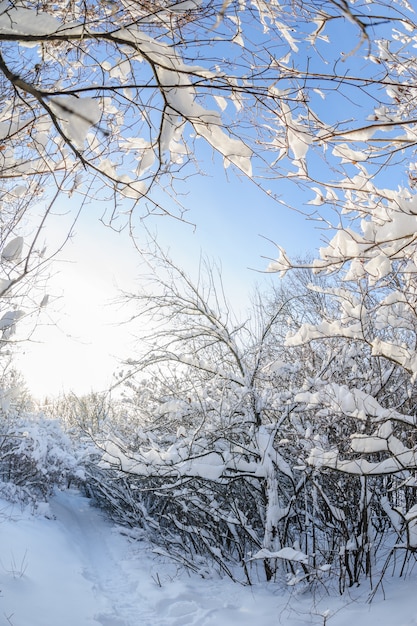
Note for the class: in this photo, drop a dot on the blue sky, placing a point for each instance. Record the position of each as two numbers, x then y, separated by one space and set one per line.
83 349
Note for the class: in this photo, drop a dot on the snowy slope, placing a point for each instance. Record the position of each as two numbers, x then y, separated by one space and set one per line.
75 569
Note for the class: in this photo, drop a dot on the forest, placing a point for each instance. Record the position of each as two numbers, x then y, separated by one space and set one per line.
279 444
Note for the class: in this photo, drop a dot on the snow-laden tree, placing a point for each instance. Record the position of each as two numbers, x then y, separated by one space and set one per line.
115 100
84 415
109 99
202 468
239 443
133 91
209 456
374 315
24 268
36 455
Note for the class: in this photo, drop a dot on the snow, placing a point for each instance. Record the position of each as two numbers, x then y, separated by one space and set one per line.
25 21
347 154
77 115
285 553
281 265
353 402
9 319
403 459
12 251
74 567
174 461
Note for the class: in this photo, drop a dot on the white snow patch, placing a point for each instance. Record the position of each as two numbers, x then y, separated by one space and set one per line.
75 568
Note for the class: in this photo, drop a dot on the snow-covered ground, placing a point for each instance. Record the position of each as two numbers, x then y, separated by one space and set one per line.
73 568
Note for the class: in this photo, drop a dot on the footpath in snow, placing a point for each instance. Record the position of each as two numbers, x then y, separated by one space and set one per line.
75 569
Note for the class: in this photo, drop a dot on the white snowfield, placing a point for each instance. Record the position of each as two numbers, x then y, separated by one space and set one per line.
73 568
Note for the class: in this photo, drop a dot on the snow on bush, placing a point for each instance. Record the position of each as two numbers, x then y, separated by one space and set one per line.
36 456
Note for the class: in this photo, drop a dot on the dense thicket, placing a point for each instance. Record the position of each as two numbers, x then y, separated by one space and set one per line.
234 446
243 446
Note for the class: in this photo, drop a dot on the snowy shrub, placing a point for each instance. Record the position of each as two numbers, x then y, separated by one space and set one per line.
280 449
35 457
197 509
361 451
210 468
82 416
